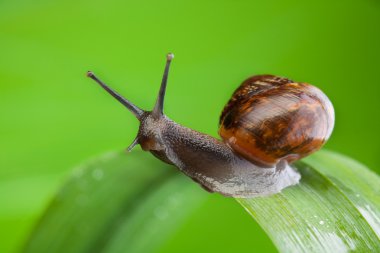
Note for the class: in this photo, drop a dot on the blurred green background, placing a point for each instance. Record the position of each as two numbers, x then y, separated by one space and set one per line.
52 117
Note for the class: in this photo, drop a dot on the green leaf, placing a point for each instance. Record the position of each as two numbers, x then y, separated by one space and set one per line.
134 203
116 203
335 208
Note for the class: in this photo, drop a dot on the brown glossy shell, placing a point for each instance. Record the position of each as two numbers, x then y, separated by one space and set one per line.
270 118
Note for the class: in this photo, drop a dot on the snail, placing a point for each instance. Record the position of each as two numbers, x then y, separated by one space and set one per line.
268 123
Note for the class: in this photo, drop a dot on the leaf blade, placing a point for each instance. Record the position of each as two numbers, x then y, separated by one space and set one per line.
361 185
88 211
311 210
320 214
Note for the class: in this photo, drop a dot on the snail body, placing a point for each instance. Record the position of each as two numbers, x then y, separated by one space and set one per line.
229 166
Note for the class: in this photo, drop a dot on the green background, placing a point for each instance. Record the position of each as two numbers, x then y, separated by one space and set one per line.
52 117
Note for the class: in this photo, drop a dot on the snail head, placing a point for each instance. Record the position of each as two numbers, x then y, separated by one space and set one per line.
149 134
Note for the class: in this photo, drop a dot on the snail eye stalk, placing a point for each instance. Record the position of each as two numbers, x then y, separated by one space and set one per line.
130 106
158 109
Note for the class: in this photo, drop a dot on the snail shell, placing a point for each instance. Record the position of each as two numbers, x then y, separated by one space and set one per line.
270 118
